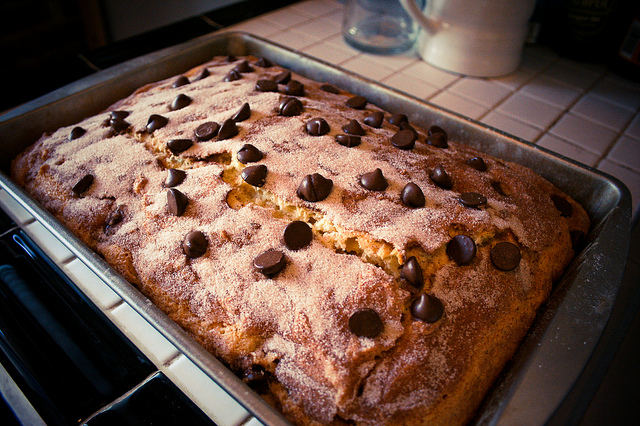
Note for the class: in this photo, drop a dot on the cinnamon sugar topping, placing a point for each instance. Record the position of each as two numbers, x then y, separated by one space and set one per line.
349 280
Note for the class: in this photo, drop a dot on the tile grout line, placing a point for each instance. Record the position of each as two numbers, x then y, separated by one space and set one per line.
619 133
519 91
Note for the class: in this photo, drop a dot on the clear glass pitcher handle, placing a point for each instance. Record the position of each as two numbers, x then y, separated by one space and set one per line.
427 24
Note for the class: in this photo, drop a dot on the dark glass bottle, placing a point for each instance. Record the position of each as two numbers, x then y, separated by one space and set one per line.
626 54
584 30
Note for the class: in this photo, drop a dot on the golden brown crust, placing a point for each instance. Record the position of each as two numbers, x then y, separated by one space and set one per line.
293 330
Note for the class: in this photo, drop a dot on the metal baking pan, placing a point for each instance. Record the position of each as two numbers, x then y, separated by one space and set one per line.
555 368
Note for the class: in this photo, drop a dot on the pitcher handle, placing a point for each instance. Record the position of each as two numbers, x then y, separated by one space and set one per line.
427 24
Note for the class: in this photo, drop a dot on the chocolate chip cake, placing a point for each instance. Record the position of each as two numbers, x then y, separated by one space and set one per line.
350 266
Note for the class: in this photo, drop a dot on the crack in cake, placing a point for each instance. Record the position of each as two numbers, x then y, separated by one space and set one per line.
351 267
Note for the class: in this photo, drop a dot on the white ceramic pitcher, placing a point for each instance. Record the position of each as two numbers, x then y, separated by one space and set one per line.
482 38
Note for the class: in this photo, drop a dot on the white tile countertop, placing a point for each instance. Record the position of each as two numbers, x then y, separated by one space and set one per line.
579 110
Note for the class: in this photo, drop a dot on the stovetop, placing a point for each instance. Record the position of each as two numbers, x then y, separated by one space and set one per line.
68 359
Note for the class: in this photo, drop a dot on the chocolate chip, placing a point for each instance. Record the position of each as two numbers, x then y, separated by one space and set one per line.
228 129
177 202
290 106
314 187
243 113
206 131
357 102
348 140
353 128
243 67
374 119
83 184
232 75
461 249
283 77
174 177
427 308
294 88
505 256
176 146
180 81
255 175
264 63
477 163
270 262
118 115
156 122
374 181
114 218
203 74
230 59
564 207
297 235
317 126
439 140
437 136
412 272
440 177
366 323
329 88
436 129
412 196
404 125
472 199
249 154
254 373
257 378
119 125
76 132
404 139
266 86
397 119
195 244
180 102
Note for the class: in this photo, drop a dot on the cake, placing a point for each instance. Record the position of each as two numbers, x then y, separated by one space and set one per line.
349 266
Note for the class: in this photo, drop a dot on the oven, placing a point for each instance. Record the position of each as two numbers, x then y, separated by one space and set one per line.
63 360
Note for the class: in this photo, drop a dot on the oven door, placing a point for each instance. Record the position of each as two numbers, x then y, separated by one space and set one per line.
63 361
